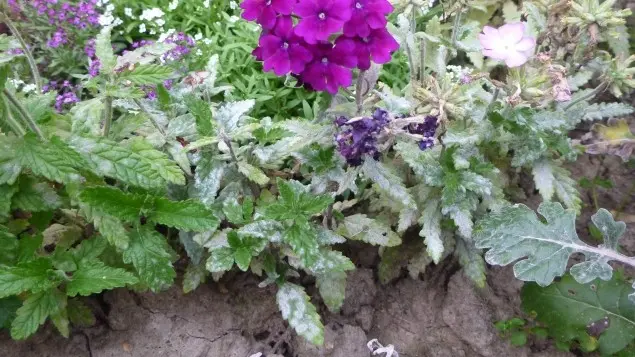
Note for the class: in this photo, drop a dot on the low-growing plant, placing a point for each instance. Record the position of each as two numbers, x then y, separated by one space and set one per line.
217 167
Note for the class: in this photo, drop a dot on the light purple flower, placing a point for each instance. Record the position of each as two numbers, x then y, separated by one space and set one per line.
508 43
367 15
282 51
378 46
331 66
265 12
321 18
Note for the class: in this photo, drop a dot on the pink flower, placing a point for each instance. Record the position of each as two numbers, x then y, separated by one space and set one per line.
508 43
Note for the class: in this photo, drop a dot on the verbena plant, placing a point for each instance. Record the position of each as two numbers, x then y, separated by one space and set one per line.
111 192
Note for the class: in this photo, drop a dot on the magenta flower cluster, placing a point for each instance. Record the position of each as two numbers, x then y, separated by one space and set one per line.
321 41
62 14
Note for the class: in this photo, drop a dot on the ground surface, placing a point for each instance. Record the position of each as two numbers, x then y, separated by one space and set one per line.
439 315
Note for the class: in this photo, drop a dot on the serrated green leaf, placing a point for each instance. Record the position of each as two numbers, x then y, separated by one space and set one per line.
35 197
195 275
10 166
112 201
92 277
472 262
185 215
516 232
570 310
599 111
331 261
201 111
360 227
147 74
138 165
296 201
424 163
60 320
332 288
253 173
297 309
35 310
431 228
44 159
233 211
552 179
33 276
303 240
89 249
9 244
112 229
264 229
390 183
150 255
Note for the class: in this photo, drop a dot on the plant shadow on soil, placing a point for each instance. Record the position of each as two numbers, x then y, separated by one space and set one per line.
439 315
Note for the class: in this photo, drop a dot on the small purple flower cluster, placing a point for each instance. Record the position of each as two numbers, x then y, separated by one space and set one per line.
359 136
80 15
66 93
427 129
94 64
305 48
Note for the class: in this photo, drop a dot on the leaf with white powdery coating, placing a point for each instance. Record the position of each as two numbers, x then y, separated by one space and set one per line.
297 309
360 227
387 181
431 228
516 232
332 288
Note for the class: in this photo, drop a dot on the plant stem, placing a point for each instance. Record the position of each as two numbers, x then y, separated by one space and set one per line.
107 115
422 60
358 93
28 119
14 124
152 118
599 89
455 28
29 56
492 102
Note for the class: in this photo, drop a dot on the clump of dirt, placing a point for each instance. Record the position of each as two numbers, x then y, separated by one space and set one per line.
442 314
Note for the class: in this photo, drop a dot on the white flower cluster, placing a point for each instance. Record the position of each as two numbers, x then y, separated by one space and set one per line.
173 5
107 18
458 73
27 88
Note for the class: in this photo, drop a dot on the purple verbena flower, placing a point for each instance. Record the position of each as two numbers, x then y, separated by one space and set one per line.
265 12
378 47
359 137
331 66
367 15
59 38
427 129
321 18
283 51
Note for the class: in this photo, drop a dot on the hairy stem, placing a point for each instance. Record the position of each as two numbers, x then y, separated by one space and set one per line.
359 96
422 60
107 115
29 56
455 29
14 124
152 118
28 119
599 89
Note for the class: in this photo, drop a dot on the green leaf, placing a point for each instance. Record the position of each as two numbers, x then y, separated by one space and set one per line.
112 229
195 275
570 310
360 227
431 228
150 255
303 240
104 52
230 114
35 196
296 201
9 244
297 309
599 111
424 163
233 211
80 314
6 192
201 111
112 201
34 276
253 173
551 179
147 74
518 338
516 232
138 165
332 288
60 320
89 249
472 262
44 159
321 159
92 277
264 229
8 307
185 215
390 183
35 310
207 179
10 166
220 259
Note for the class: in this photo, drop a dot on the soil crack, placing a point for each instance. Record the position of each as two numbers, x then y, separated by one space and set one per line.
213 340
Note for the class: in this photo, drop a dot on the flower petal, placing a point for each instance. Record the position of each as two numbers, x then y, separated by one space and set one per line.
526 44
512 33
515 59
